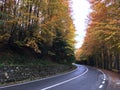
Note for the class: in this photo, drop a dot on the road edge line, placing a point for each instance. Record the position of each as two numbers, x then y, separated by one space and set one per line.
40 79
65 81
104 78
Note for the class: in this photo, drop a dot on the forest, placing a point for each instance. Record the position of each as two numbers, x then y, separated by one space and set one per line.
101 47
42 28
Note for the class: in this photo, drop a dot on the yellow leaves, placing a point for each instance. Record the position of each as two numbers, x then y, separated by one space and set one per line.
26 14
46 1
104 30
11 21
28 2
4 37
34 17
54 18
110 37
114 22
39 22
32 43
119 45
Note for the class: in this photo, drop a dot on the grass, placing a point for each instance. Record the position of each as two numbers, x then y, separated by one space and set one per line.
17 56
8 59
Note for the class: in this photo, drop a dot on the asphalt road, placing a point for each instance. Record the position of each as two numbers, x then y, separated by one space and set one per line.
83 78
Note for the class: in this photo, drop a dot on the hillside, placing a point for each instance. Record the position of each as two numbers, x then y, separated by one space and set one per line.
36 33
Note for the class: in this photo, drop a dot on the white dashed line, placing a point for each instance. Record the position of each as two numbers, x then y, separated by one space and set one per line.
101 86
104 76
104 79
103 82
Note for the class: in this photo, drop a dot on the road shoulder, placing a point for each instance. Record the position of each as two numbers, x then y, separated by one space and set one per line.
113 80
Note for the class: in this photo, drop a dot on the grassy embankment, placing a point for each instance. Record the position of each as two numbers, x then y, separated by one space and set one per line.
23 64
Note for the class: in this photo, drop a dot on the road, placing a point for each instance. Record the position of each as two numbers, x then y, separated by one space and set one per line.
83 78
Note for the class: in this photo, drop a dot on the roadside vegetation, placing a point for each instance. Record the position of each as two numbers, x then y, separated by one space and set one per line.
35 33
101 47
44 27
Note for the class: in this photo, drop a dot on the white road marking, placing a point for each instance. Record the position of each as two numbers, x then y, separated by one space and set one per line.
65 81
103 82
118 83
104 79
38 79
100 86
104 76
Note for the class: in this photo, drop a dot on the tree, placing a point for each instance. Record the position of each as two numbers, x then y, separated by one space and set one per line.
40 25
102 38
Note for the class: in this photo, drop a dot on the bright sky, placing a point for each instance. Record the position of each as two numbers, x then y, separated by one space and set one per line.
81 9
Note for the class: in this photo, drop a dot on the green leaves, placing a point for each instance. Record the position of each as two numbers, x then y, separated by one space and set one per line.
1 22
43 25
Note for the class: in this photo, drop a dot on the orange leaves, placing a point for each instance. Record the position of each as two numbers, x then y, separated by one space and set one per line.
103 29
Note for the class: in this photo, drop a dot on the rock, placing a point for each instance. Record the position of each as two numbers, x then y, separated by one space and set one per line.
6 75
19 73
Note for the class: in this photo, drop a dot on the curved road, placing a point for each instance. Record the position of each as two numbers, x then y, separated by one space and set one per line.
83 78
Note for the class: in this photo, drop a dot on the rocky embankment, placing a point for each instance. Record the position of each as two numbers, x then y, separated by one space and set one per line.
13 74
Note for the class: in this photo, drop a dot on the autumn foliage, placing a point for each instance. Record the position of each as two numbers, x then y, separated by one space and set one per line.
101 47
43 25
